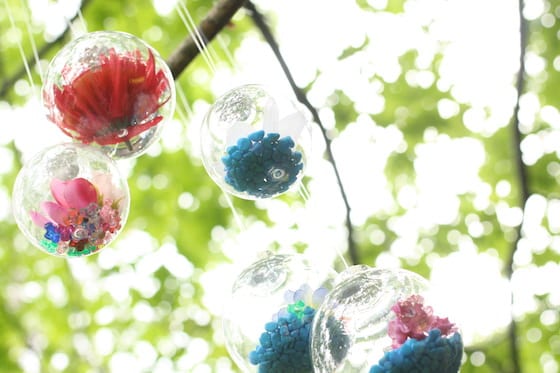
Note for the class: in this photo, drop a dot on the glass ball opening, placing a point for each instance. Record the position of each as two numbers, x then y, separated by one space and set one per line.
254 143
70 200
110 89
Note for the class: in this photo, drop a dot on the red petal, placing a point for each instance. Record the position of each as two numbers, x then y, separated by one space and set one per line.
76 193
122 92
118 71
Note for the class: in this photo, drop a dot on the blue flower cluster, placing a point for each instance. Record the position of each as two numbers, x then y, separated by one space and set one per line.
284 346
262 165
434 354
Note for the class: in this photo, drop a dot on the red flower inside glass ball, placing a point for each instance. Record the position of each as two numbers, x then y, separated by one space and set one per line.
110 89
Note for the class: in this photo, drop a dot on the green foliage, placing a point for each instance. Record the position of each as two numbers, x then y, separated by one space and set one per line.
128 303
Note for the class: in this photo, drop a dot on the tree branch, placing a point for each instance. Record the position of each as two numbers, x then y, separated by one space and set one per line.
45 48
216 19
523 180
214 22
261 24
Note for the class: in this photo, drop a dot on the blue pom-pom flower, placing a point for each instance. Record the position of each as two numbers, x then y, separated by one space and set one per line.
434 354
262 164
284 346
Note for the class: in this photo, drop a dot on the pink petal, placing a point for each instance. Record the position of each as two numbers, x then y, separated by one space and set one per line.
38 219
104 184
76 193
55 212
105 188
445 326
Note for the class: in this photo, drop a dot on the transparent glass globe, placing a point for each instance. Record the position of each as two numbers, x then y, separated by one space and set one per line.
110 89
373 318
268 318
70 200
254 142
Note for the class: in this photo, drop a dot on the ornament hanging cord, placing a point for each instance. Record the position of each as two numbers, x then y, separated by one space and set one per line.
26 64
29 62
202 45
200 42
32 41
35 60
261 24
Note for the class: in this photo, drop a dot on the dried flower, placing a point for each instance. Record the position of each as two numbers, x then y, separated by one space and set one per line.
415 320
113 101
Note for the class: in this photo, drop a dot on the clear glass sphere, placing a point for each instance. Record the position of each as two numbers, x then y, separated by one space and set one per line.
70 200
373 318
268 318
254 142
110 89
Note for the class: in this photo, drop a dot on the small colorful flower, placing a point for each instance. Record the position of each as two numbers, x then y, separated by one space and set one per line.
422 342
69 196
415 320
306 294
75 219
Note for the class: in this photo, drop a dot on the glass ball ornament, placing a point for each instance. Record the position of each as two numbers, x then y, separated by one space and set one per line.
254 142
268 318
381 321
70 200
109 89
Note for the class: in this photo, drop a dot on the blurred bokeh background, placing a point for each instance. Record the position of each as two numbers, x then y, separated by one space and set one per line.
418 98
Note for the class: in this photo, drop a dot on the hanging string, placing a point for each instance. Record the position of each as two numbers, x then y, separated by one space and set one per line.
44 49
200 43
183 101
20 47
75 22
209 59
303 192
27 23
82 20
236 215
183 111
228 54
202 39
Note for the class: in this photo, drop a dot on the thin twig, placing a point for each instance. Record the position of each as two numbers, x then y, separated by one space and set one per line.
522 178
261 24
9 82
216 19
